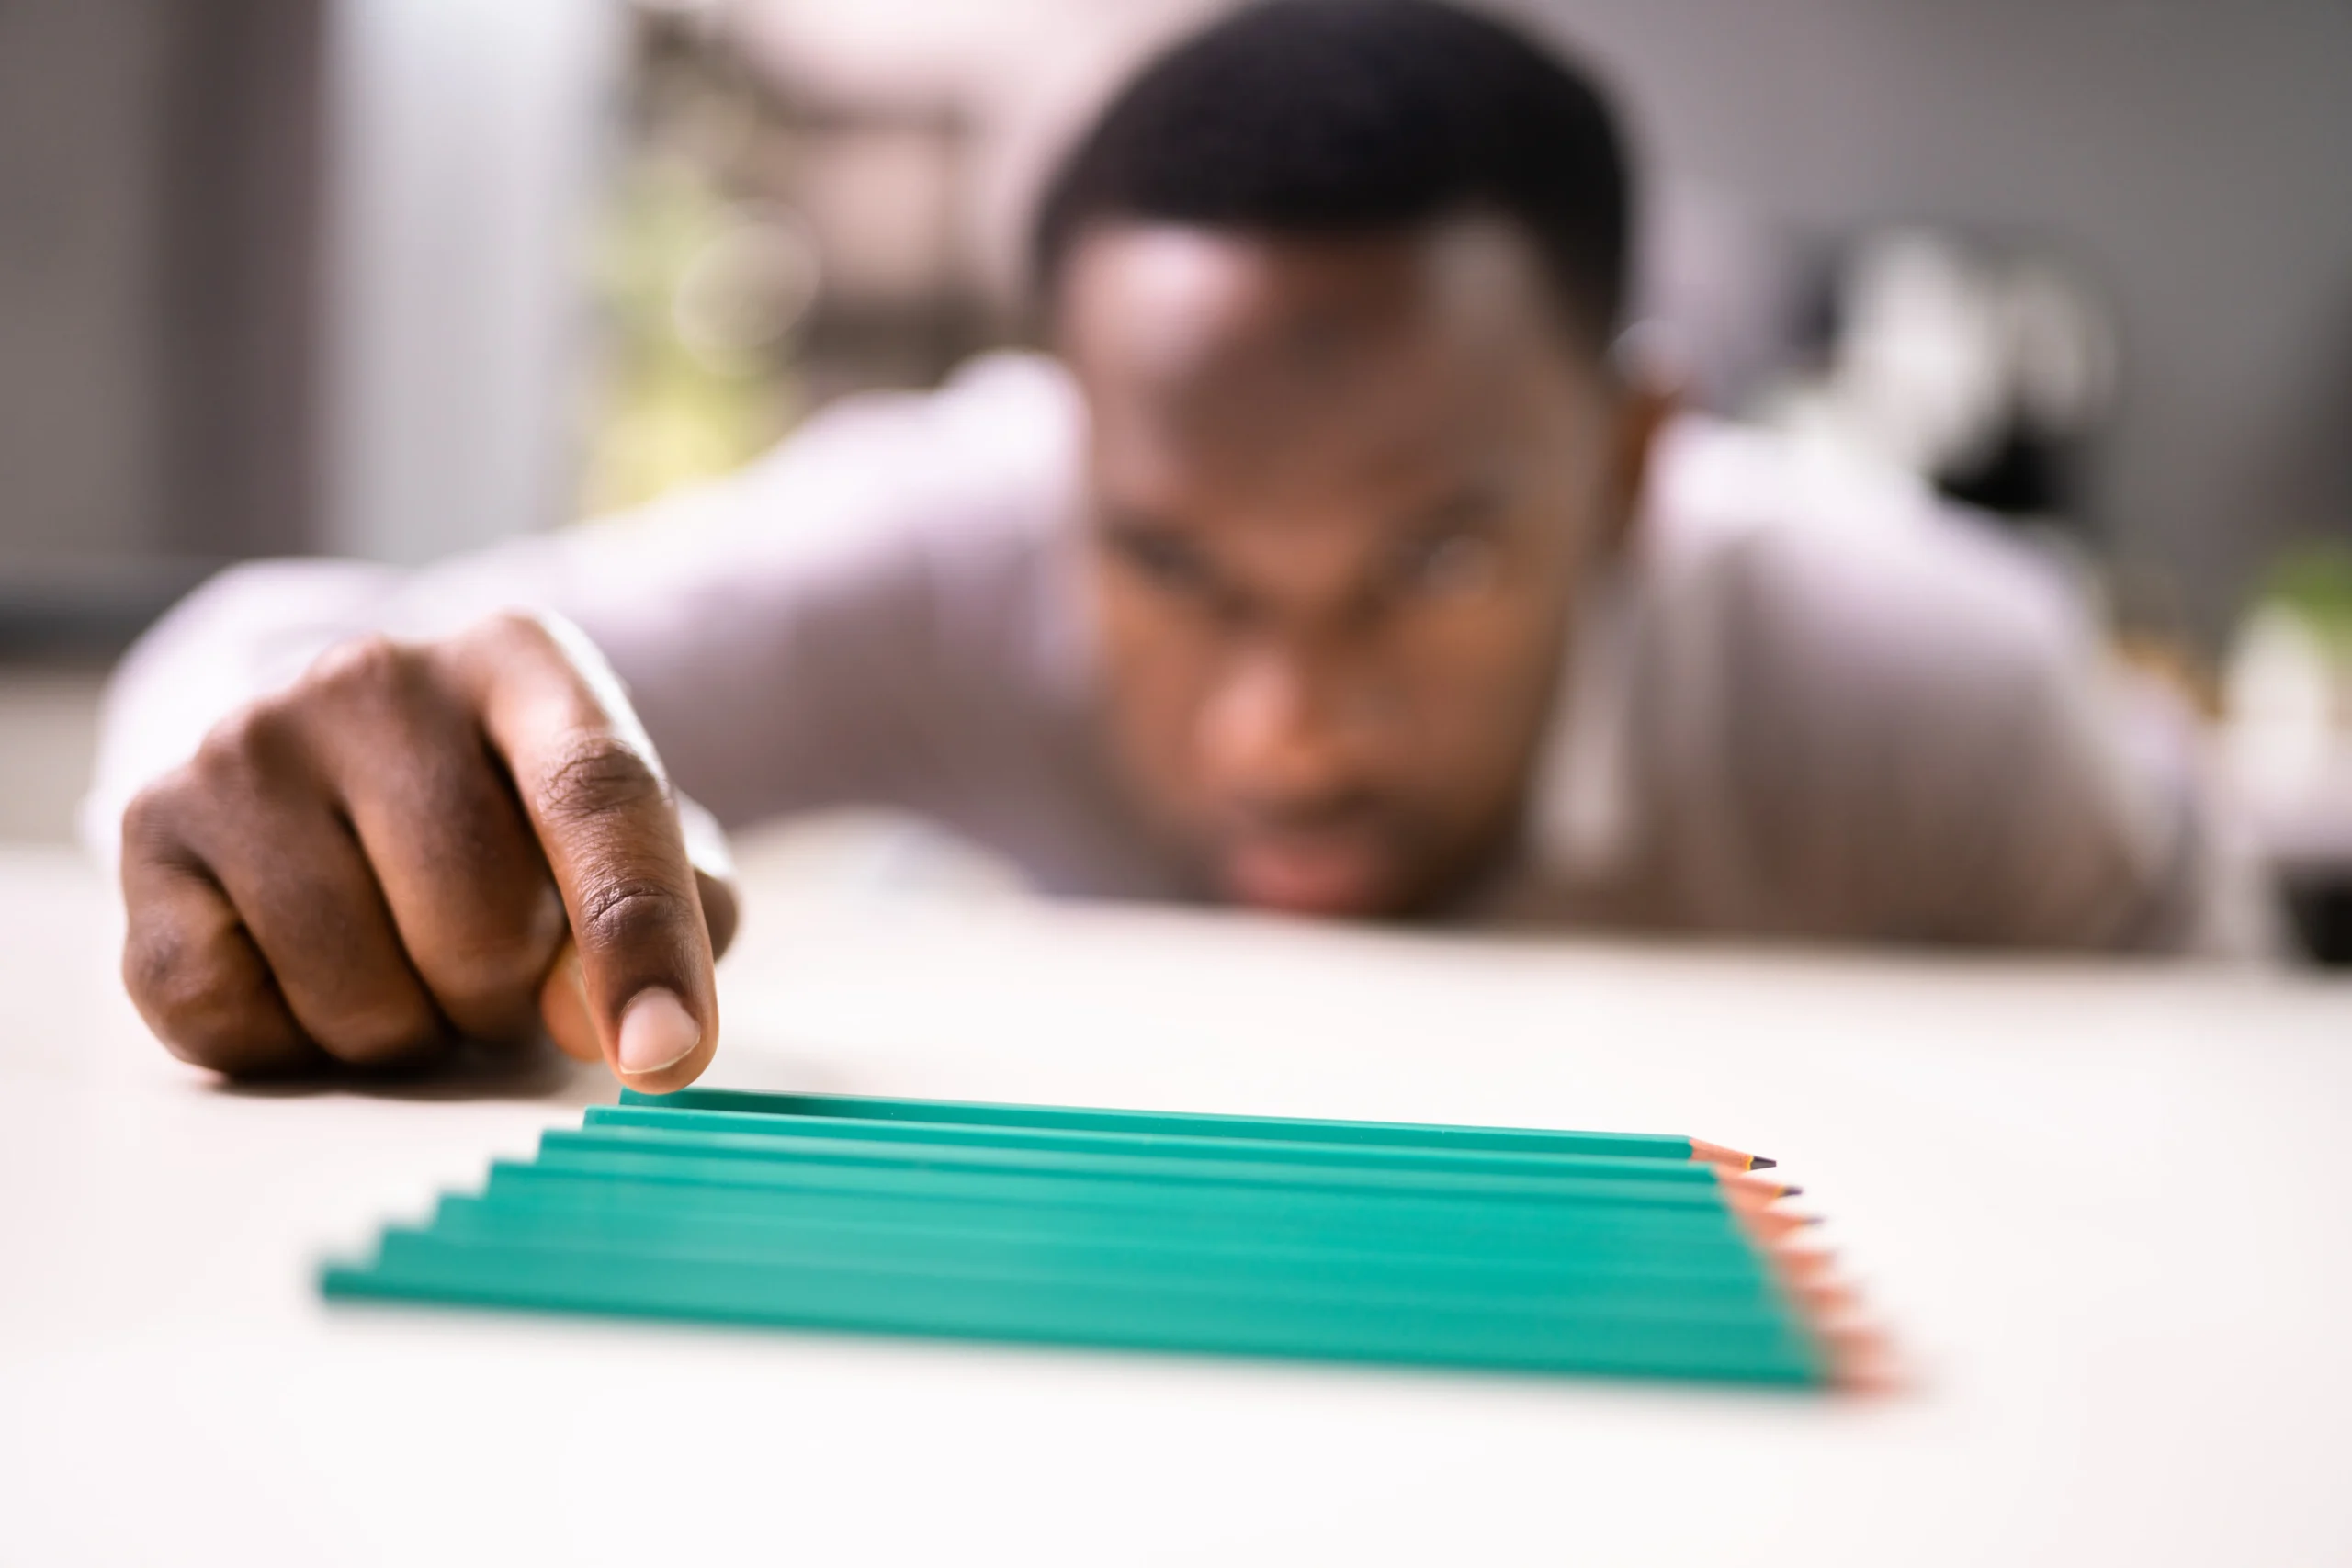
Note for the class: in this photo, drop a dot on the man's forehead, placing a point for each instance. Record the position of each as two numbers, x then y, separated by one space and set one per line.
1257 354
1167 303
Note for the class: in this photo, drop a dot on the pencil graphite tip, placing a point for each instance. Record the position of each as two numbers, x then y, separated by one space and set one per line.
1727 1159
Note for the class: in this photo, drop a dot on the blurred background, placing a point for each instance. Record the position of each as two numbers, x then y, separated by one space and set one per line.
398 278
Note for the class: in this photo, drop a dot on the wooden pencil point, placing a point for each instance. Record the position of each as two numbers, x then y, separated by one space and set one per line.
1803 1263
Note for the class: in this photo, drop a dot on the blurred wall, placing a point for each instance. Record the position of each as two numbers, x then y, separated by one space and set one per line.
158 249
80 157
2196 158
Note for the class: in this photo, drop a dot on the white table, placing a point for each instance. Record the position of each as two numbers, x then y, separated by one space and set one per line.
2101 1207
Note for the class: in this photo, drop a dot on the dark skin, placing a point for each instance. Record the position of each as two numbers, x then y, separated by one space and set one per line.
1347 491
416 841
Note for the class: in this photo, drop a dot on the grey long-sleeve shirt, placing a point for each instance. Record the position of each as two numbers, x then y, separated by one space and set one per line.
1807 703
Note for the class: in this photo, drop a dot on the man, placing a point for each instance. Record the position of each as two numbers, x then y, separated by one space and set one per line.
1337 567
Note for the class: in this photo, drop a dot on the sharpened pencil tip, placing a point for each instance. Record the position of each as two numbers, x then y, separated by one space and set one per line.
1757 1162
1791 1191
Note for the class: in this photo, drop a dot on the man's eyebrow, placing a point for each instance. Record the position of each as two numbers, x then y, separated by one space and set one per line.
1474 504
1117 519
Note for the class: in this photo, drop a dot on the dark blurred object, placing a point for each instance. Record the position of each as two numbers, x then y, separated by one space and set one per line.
2288 705
2320 912
1985 368
2026 469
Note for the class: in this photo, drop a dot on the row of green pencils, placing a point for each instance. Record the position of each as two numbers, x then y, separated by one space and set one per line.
1487 1247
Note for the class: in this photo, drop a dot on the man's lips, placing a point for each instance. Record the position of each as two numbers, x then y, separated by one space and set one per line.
1321 873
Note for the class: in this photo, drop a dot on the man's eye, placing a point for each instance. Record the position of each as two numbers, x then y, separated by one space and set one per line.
1450 564
1167 563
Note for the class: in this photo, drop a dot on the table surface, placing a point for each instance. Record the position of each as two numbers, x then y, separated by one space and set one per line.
2096 1204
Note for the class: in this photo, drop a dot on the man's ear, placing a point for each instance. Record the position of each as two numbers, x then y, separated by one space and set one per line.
1646 403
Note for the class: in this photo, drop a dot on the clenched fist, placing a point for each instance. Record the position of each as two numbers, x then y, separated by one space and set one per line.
418 841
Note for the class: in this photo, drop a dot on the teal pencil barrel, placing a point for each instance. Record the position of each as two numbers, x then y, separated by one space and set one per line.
1408 1134
1497 1248
1277 1217
798 1130
818 1239
1756 1346
1578 1185
1386 1207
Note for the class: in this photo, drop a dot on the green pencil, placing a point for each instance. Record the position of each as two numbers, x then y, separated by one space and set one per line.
1055 1261
1588 1181
1286 1219
1450 1205
1601 1234
1410 1134
1155 1145
920 1232
1759 1345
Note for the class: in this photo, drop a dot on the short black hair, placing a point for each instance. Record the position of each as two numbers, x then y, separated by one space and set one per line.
1351 116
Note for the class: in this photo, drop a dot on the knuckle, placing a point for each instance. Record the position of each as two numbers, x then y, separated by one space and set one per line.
152 822
204 1044
382 1035
156 970
198 1005
212 1040
358 1002
244 749
629 910
364 670
492 978
338 967
594 775
506 631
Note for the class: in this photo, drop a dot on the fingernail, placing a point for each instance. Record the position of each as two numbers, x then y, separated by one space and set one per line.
657 1032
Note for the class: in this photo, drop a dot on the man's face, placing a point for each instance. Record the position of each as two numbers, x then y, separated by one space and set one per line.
1344 494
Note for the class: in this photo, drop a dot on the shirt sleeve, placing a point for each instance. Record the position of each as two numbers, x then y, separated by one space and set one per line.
1935 744
824 626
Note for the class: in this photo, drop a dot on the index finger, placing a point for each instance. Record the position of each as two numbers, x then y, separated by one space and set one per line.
594 793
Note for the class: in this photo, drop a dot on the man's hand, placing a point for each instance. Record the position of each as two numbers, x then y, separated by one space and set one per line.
414 843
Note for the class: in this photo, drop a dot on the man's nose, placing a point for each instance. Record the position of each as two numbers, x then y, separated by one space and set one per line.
1287 725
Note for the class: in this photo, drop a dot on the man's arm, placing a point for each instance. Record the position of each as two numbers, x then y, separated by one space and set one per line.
343 767
782 633
1943 750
